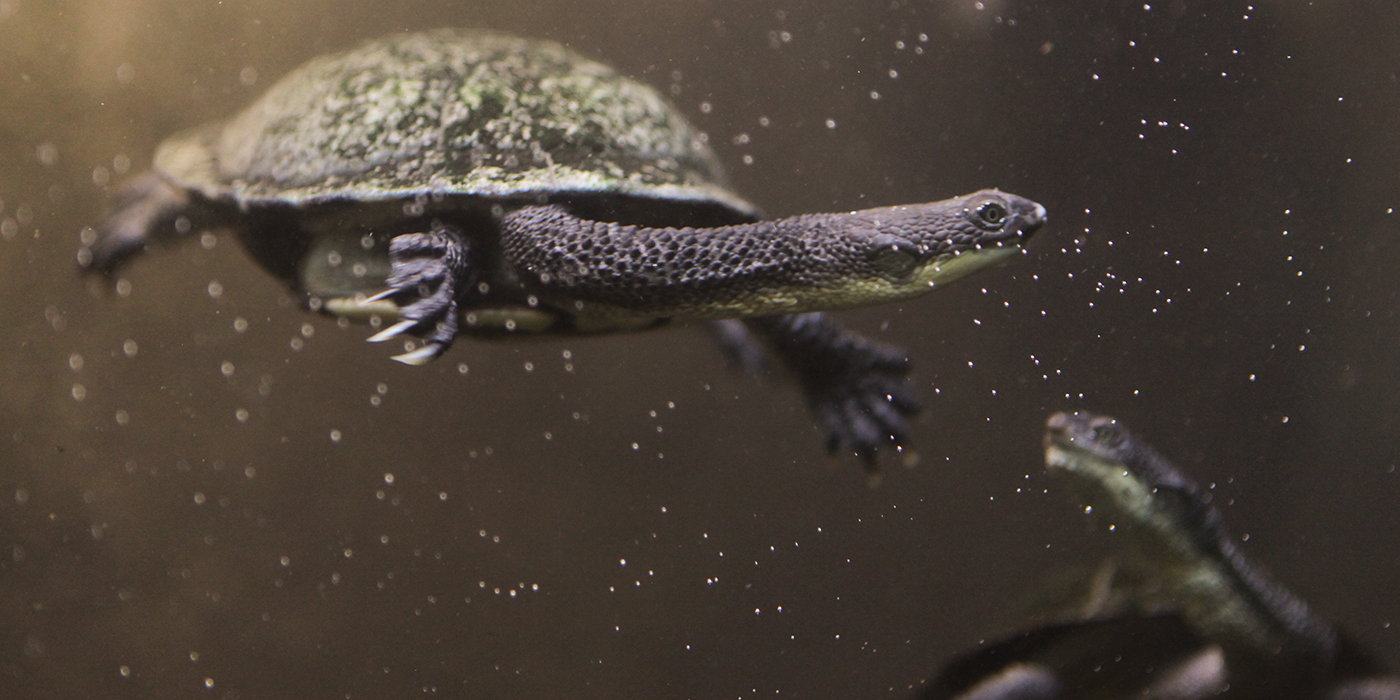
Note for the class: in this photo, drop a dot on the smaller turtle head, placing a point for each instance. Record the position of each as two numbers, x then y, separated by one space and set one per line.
1074 440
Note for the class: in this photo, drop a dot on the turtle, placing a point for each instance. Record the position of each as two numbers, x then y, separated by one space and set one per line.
1184 615
461 182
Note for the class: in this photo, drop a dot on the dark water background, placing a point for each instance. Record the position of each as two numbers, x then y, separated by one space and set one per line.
1219 272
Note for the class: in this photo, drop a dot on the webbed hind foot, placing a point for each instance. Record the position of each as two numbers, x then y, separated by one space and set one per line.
858 389
868 413
432 270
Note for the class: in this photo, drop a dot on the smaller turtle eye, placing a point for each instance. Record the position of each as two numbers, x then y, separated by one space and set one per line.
992 213
1108 434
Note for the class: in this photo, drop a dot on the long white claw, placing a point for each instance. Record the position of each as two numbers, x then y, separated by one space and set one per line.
382 295
421 356
392 331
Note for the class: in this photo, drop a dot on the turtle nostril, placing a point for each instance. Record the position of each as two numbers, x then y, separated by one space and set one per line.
1032 221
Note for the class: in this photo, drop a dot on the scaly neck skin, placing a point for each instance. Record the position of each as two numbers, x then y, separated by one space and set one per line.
803 263
1180 536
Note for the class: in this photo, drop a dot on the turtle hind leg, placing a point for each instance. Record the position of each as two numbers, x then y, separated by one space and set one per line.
858 389
740 345
146 209
432 270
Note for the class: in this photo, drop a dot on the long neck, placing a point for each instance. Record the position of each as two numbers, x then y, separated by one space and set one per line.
814 262
770 267
1225 594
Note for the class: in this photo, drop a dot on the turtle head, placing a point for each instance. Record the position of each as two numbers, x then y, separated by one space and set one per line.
918 247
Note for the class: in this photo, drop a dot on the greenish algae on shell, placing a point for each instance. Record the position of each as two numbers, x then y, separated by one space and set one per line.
449 112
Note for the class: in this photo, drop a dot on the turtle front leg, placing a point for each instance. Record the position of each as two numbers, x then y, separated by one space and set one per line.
432 270
859 389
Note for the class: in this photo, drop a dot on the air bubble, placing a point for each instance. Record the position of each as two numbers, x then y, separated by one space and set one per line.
47 154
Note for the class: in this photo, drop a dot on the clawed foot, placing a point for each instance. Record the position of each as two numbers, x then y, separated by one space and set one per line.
431 268
858 389
867 406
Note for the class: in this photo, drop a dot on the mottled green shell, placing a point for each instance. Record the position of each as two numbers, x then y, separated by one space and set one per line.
452 112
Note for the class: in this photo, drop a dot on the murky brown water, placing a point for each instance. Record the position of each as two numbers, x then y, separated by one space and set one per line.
1219 271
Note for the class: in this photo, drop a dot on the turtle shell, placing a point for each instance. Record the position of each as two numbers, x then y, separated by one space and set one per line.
451 112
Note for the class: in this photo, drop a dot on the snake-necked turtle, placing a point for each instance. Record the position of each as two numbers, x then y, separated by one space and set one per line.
461 182
1196 619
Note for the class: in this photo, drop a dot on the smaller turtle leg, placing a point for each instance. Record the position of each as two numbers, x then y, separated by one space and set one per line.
432 269
144 210
859 389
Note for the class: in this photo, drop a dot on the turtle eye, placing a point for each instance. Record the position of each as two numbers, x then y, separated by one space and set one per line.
992 214
1107 434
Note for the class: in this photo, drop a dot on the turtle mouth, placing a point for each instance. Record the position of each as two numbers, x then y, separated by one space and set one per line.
1063 449
1027 222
